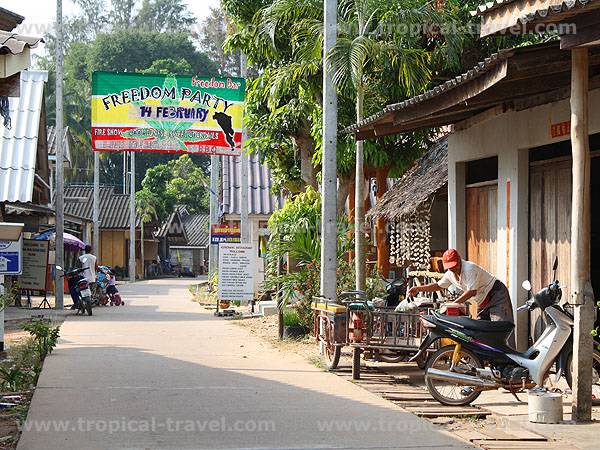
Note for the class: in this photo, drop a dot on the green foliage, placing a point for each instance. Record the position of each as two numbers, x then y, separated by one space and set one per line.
178 182
291 318
44 335
13 377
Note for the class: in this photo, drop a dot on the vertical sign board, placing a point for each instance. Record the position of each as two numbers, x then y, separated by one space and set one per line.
35 264
165 113
11 257
236 272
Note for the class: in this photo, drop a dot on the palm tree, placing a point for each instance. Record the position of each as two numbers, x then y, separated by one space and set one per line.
145 205
369 45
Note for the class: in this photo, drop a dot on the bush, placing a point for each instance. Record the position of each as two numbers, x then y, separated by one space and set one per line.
291 318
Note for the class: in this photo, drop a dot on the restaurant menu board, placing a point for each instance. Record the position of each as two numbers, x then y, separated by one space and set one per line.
236 272
35 263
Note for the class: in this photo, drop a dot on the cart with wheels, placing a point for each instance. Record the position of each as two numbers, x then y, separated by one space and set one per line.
329 329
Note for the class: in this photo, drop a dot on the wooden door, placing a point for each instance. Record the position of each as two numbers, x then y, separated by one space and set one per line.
550 223
481 225
549 227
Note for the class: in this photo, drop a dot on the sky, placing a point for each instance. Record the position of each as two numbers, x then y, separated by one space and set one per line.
41 14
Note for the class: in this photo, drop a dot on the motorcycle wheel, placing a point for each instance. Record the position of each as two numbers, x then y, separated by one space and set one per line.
595 375
448 393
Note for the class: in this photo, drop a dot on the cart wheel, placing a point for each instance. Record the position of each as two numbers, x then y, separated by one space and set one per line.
390 358
332 355
356 363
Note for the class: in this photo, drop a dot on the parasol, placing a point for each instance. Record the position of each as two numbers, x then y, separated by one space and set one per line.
71 242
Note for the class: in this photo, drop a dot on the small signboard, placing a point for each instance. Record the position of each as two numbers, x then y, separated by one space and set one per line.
560 129
237 268
11 254
35 264
222 234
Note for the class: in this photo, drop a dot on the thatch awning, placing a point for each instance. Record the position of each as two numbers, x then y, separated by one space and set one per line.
417 186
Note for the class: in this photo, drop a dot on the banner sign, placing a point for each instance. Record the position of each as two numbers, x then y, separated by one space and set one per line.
220 234
163 113
35 263
236 272
11 257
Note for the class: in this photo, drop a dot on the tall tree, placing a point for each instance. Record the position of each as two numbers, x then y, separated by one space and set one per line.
211 39
164 16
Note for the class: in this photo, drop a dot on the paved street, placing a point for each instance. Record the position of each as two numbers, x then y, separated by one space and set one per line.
161 373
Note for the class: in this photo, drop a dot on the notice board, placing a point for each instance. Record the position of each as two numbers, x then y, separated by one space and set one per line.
35 263
236 272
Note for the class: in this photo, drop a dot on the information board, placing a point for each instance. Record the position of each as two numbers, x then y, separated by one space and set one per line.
237 268
35 265
11 254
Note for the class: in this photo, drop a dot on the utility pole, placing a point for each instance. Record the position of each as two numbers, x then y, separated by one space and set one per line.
96 214
245 225
583 295
132 219
329 169
215 176
60 181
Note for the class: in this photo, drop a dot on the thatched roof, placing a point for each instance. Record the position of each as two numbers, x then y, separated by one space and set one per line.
428 174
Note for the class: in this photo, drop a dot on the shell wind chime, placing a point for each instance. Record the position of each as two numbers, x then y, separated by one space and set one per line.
410 239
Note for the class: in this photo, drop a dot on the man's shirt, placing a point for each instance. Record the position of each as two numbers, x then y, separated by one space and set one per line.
472 278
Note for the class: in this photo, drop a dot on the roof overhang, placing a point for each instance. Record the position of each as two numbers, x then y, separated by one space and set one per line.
9 20
575 20
513 79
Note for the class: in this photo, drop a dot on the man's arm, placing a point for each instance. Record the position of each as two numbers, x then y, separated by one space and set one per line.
466 296
432 287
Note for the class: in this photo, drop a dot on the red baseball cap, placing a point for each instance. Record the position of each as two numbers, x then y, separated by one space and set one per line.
450 258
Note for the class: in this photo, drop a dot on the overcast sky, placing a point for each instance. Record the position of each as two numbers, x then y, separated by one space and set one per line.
40 14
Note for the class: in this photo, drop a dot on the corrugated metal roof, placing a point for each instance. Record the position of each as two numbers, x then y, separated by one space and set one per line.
14 43
554 6
196 229
114 208
51 133
18 145
260 199
475 72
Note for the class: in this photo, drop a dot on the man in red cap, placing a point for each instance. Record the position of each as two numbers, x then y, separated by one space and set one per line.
491 295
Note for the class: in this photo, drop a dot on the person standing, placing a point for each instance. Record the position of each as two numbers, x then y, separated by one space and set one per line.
491 295
88 262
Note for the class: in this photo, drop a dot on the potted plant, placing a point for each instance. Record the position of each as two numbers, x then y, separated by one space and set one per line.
292 325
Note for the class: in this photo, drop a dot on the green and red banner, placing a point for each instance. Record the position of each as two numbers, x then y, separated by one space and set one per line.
163 113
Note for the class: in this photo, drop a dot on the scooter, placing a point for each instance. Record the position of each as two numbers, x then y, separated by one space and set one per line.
481 360
81 286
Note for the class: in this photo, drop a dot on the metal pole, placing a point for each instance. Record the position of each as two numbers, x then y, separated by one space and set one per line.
60 186
215 176
132 219
2 316
582 293
245 225
96 215
329 169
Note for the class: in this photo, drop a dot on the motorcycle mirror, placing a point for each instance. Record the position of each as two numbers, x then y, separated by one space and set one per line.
59 268
526 285
555 265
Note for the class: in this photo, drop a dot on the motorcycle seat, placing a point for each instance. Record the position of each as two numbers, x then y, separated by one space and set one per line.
478 325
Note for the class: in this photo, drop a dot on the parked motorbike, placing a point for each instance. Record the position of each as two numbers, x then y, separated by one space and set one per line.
76 280
481 360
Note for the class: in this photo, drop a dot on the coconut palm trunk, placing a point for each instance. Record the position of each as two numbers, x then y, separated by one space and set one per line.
359 208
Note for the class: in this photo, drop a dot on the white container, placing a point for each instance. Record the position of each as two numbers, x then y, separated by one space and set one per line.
545 407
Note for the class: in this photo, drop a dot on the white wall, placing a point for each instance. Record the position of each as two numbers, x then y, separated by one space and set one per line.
508 136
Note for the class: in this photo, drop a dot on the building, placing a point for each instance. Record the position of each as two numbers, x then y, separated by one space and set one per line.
185 239
509 162
261 203
114 226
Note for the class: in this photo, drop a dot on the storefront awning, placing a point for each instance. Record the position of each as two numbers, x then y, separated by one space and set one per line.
513 79
522 16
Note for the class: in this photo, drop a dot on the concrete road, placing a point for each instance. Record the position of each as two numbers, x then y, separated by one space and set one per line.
161 373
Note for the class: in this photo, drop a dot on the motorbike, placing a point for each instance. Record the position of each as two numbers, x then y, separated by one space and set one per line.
80 285
480 359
